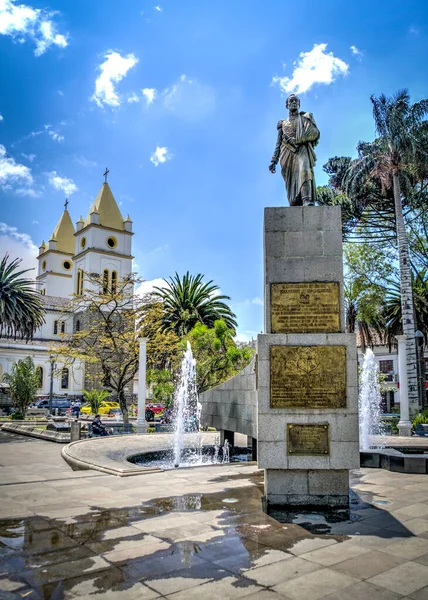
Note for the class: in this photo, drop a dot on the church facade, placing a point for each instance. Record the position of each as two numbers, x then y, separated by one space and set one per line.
100 244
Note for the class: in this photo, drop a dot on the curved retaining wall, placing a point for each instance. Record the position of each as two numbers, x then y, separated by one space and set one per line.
232 406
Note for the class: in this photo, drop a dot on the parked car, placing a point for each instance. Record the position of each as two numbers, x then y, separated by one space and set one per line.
60 404
104 408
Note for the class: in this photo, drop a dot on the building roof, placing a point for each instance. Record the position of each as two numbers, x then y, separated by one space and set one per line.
55 302
63 234
106 206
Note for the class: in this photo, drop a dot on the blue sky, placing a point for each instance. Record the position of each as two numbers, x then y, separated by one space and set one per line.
180 100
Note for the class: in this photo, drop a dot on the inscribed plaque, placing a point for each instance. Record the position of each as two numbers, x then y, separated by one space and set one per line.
308 440
308 377
305 307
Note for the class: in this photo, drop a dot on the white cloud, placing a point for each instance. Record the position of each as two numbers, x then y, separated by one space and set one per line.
133 98
63 184
1 117
27 192
21 21
315 66
60 92
84 162
356 51
147 287
189 99
12 172
29 157
160 155
34 222
158 8
150 94
257 301
18 245
55 135
113 70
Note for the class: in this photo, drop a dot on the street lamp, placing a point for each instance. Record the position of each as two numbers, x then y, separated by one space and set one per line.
52 361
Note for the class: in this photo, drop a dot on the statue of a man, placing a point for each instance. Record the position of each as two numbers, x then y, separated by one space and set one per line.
297 137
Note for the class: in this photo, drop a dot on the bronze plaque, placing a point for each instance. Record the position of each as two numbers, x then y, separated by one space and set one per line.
305 307
308 377
308 440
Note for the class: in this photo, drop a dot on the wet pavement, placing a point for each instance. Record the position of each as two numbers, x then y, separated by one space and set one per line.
201 534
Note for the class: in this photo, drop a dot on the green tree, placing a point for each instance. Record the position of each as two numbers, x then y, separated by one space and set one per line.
390 173
23 383
21 309
188 300
94 398
107 340
218 358
162 381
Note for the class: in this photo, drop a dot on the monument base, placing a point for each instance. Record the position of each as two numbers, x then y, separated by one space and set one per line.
300 487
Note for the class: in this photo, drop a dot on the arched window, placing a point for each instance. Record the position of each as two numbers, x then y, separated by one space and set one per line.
64 378
55 327
113 282
77 326
79 282
39 375
62 326
105 281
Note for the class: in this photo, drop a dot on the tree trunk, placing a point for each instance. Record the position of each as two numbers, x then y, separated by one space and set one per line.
123 407
407 306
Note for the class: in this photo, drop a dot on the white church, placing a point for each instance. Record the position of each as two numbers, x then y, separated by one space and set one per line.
99 244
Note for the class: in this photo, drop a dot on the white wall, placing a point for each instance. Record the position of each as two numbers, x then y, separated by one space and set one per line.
11 352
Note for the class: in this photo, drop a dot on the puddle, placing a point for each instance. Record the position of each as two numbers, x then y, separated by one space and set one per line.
209 536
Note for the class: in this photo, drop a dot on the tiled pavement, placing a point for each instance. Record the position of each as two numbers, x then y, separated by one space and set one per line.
200 534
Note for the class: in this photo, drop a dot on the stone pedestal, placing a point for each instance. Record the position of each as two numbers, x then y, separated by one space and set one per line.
307 365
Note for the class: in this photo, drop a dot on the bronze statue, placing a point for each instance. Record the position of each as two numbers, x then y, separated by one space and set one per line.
297 137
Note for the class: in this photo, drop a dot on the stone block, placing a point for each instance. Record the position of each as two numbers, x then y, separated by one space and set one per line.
344 427
285 270
324 218
344 455
275 244
283 219
282 482
332 243
303 243
272 455
308 462
217 422
323 268
331 482
415 465
370 460
270 428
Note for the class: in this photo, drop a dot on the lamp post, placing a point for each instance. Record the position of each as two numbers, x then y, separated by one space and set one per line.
52 361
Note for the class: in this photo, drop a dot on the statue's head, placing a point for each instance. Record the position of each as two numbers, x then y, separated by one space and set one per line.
292 102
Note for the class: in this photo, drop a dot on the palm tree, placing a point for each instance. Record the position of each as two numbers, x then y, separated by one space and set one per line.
188 300
21 309
392 158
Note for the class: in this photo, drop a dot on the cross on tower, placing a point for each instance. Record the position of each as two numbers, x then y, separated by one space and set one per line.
105 174
66 203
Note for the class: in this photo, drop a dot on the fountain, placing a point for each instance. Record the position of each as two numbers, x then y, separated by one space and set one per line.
187 448
186 414
369 403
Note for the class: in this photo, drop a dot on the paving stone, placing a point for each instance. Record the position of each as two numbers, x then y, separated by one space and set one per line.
405 579
369 564
315 585
278 572
335 554
363 591
410 548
